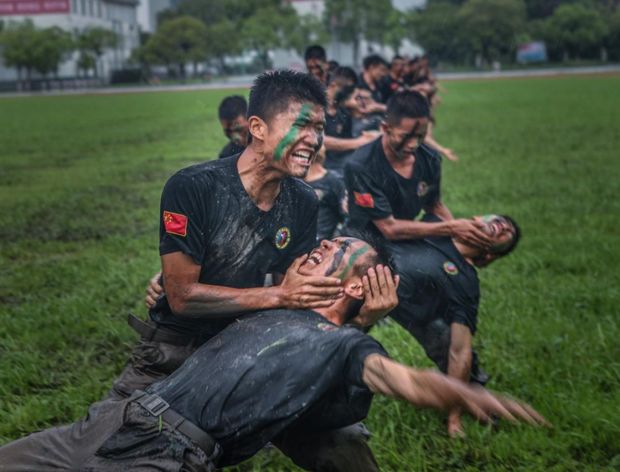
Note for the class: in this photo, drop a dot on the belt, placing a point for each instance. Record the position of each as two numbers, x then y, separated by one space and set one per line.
157 334
158 407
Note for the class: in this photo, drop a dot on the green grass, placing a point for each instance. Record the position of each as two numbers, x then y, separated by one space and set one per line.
80 179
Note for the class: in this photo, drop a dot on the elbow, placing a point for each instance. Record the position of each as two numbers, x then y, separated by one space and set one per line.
388 232
179 303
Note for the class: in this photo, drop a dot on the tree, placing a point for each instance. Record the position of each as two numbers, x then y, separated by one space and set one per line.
575 31
94 42
613 38
17 47
51 47
396 29
303 31
437 29
177 41
354 20
490 27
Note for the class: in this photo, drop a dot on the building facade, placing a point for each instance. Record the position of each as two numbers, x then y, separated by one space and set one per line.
75 16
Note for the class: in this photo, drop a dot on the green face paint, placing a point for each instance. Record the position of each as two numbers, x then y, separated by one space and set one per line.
289 138
356 255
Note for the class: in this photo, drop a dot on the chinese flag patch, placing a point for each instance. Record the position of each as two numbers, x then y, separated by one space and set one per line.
364 200
175 223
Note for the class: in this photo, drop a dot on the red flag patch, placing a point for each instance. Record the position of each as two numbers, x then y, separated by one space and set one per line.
175 223
364 200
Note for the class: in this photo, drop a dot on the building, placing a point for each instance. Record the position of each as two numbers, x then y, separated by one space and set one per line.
148 10
75 16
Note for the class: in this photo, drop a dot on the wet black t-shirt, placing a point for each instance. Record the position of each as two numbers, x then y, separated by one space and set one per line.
207 214
376 191
268 371
389 86
436 284
332 204
231 149
377 93
338 125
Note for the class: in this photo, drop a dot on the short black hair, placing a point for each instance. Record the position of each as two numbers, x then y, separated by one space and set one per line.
344 73
513 242
397 58
406 104
315 52
233 106
273 91
378 244
374 60
333 65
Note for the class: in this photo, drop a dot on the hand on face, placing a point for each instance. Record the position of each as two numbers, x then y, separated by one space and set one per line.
380 295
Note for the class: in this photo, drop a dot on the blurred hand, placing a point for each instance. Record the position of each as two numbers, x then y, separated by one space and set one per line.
380 296
470 232
153 291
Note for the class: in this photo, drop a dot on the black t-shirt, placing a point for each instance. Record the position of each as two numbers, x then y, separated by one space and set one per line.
338 125
231 149
436 283
377 93
389 86
268 371
332 203
376 190
207 214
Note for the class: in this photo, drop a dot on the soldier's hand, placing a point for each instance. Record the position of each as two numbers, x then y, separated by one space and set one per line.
470 232
450 155
154 291
308 291
380 295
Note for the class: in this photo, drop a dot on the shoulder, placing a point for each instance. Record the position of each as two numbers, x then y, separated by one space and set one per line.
364 156
300 191
428 154
202 177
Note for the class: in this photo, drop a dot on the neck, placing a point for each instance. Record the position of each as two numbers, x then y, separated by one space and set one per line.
368 79
468 252
397 163
259 178
335 313
315 172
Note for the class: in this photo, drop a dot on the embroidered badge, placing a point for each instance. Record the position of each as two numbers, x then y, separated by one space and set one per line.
175 223
326 327
422 189
364 200
450 268
283 237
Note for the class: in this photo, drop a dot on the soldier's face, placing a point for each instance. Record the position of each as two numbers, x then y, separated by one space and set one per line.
336 258
236 130
405 137
294 137
317 68
499 229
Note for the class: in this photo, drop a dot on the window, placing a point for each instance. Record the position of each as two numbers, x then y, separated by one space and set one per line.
83 7
74 6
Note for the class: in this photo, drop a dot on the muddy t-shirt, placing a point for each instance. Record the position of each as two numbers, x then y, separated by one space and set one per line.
268 371
376 191
436 283
207 215
231 149
332 203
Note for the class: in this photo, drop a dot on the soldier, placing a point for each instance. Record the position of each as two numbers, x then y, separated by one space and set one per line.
232 113
316 63
254 382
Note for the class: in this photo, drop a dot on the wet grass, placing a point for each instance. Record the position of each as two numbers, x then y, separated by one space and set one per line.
80 179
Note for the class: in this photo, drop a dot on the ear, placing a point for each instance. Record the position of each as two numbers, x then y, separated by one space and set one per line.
257 128
354 288
384 127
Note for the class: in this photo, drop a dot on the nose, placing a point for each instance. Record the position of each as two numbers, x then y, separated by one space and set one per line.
327 244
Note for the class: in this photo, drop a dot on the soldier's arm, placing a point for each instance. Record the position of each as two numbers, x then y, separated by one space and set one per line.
429 389
459 367
188 297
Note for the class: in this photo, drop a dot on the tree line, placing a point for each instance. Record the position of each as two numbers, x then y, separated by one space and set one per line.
452 31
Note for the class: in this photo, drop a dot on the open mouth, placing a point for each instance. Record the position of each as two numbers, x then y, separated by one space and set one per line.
314 258
302 158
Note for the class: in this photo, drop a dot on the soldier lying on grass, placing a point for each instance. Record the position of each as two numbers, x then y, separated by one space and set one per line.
267 374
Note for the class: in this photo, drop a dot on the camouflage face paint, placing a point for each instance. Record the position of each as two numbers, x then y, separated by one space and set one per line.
356 255
289 138
338 257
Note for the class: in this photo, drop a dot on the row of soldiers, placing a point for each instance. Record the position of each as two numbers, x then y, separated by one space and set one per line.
227 362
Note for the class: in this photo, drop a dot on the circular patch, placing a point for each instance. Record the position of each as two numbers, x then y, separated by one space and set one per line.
450 268
422 189
283 237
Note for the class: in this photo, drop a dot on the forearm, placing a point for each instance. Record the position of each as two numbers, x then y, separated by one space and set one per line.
341 144
440 210
214 301
405 229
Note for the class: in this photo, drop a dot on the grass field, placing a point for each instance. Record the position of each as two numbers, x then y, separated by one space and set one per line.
80 179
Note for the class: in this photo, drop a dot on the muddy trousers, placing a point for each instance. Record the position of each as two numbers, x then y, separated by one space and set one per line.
342 450
116 435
